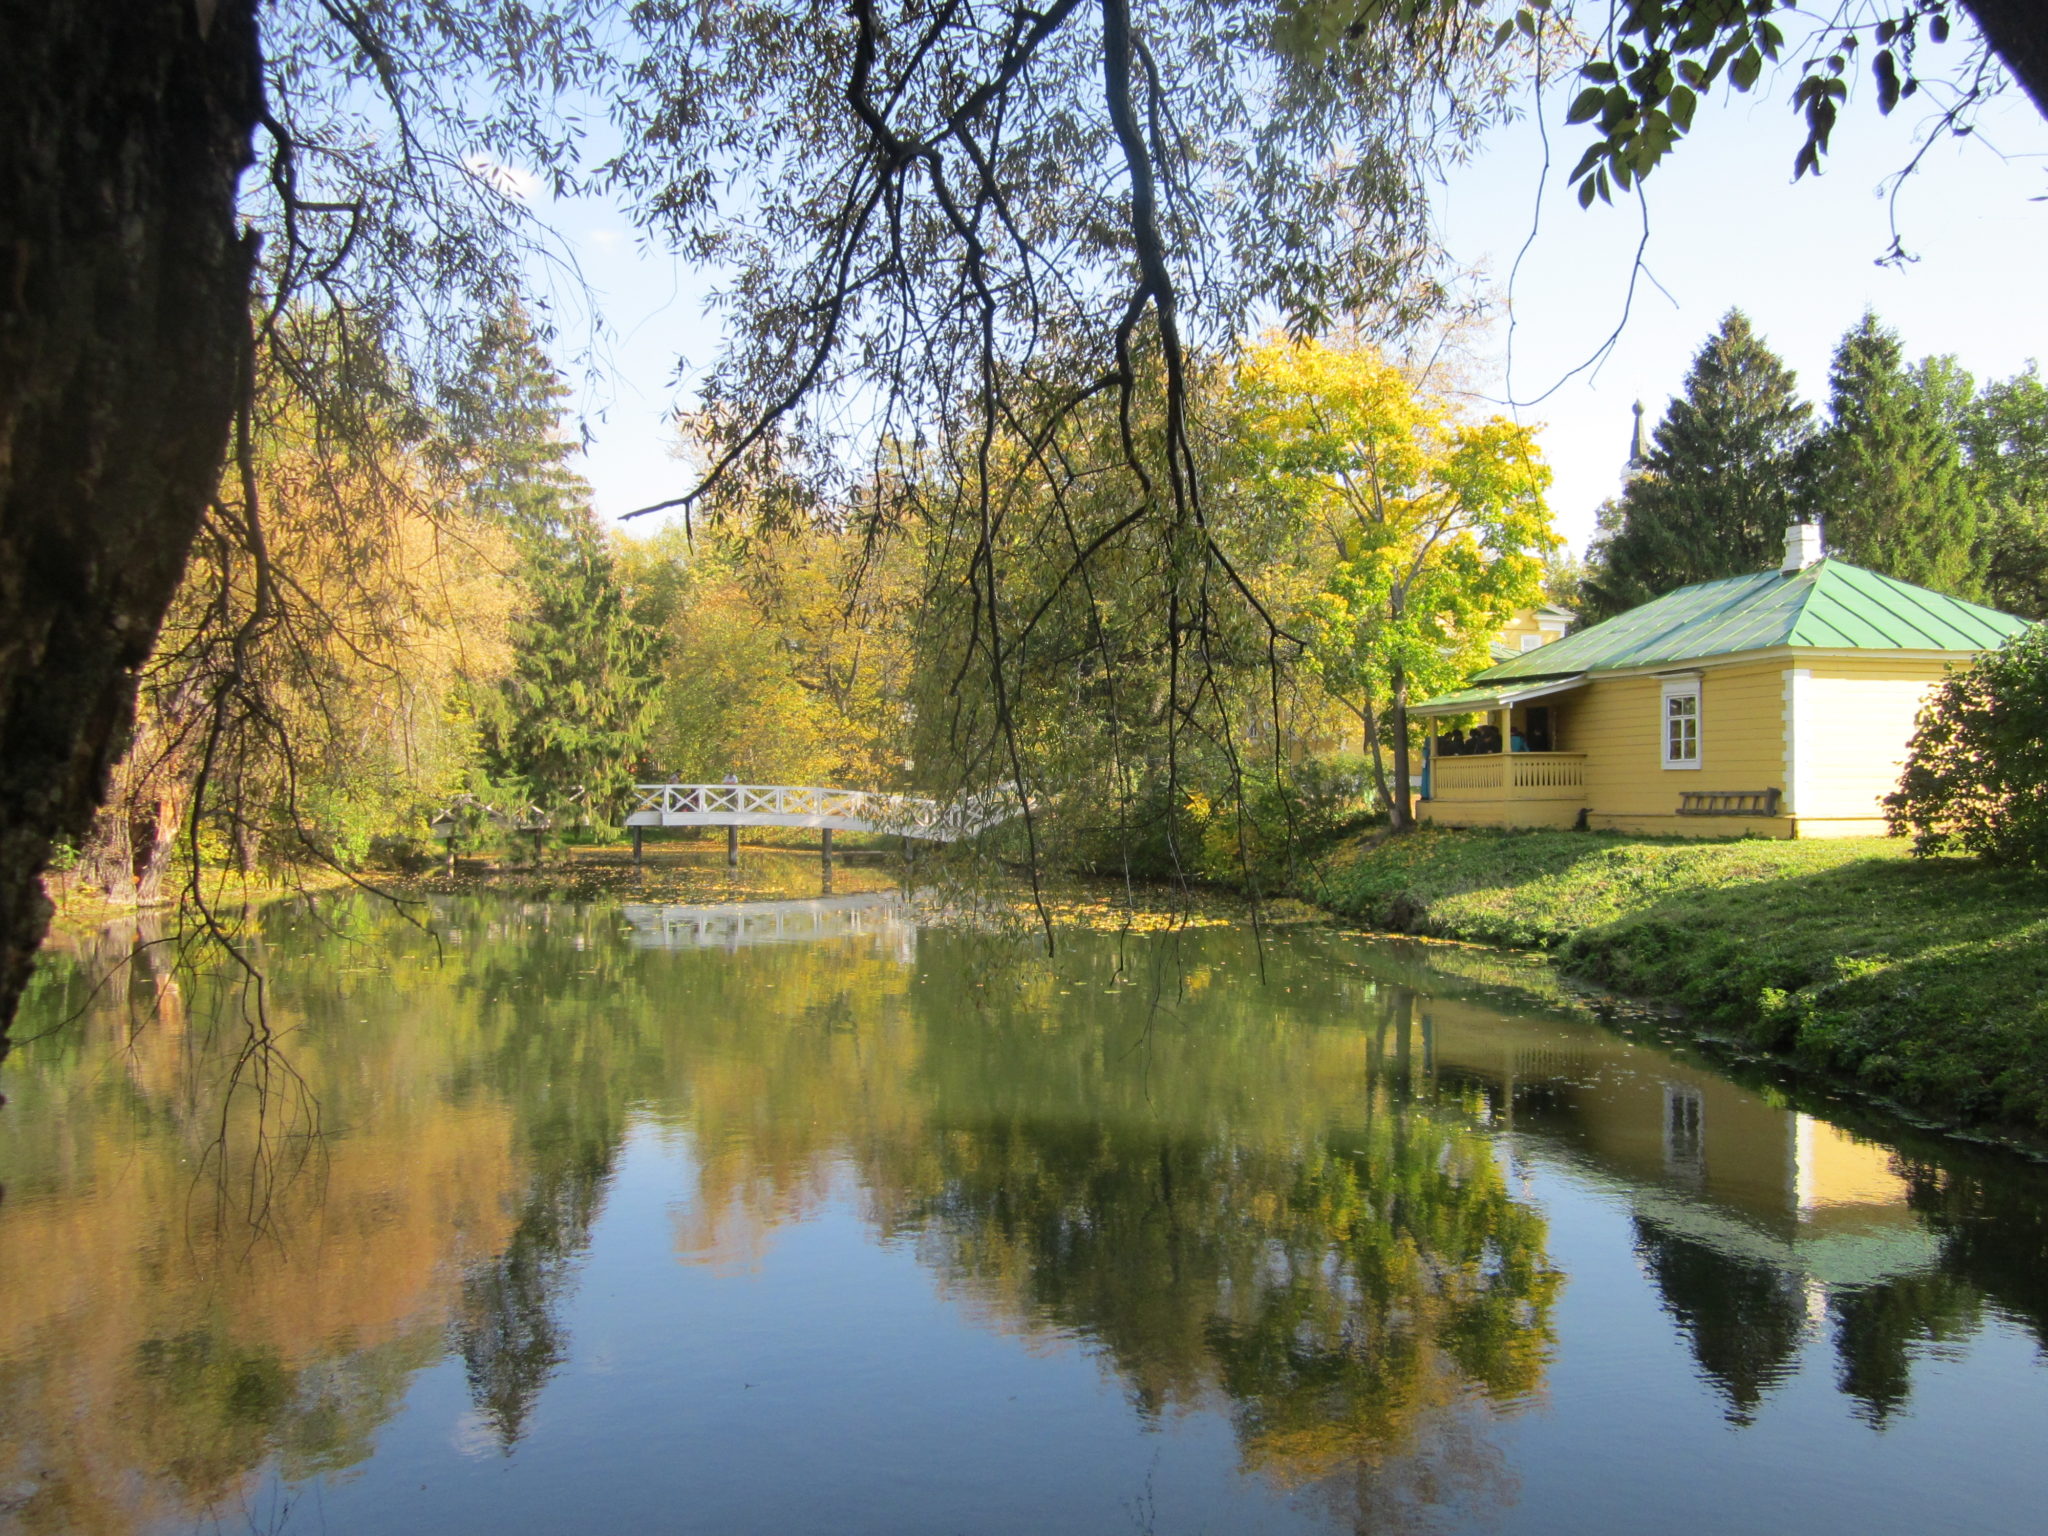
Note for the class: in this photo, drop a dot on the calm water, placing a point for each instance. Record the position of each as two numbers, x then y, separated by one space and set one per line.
802 1218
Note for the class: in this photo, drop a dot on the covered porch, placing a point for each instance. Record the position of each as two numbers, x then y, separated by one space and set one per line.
1510 770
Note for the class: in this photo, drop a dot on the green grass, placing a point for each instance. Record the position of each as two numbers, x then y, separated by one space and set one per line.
1926 980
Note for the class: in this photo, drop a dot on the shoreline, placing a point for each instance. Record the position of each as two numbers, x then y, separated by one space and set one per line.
1919 984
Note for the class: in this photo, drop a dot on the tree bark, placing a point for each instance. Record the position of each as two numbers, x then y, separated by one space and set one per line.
124 291
2018 33
1404 778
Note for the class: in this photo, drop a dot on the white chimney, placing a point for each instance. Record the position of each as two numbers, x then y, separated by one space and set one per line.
1802 547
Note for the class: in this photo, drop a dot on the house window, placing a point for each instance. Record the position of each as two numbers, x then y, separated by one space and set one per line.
1682 724
1685 1130
1530 642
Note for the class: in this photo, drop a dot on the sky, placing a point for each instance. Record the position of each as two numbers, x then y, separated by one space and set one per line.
1728 228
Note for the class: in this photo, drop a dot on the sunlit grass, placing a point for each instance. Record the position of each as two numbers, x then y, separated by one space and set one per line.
1925 979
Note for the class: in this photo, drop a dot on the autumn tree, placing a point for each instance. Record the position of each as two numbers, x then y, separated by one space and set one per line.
1436 525
1721 482
981 214
785 654
305 695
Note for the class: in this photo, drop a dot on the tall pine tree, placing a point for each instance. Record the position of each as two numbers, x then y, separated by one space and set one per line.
574 714
1718 484
1890 478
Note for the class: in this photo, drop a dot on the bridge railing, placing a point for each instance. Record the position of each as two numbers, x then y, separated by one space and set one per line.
861 810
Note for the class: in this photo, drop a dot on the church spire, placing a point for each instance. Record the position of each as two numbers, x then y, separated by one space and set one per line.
1638 454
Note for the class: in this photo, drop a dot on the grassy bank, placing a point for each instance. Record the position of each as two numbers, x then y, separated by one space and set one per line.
1924 980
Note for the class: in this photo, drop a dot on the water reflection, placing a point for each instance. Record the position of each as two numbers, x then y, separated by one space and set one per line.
881 915
1308 1206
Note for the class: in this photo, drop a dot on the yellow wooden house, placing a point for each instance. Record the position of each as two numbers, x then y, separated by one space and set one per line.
1778 704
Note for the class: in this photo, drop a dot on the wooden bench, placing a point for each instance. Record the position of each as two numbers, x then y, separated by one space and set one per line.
1728 802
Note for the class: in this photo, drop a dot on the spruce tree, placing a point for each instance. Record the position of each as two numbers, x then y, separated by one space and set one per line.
1719 483
1890 478
575 712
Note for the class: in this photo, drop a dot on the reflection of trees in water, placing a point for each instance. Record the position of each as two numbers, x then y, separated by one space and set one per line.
1339 1264
1261 1199
1745 1320
1878 1327
508 1330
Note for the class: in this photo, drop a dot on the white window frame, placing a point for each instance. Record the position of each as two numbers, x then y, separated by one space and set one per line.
1681 688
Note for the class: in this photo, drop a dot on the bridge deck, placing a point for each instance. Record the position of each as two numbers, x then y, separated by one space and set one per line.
786 805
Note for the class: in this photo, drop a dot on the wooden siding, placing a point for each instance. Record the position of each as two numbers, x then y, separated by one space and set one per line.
1618 723
1830 733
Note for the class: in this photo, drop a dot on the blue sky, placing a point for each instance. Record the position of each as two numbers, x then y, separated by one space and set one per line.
1728 228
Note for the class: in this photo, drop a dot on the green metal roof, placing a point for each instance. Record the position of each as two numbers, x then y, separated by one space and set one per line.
1468 701
1829 605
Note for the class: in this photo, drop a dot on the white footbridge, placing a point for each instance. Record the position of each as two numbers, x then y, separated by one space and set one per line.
828 810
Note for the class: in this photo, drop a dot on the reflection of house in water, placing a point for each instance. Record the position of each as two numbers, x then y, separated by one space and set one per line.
1757 1223
879 915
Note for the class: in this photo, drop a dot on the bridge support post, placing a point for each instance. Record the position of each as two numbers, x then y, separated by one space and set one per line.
825 848
732 846
637 831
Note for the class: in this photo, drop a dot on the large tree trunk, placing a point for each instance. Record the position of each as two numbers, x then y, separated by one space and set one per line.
1404 775
124 291
2018 34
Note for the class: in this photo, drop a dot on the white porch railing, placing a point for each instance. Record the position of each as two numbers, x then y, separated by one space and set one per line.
1510 776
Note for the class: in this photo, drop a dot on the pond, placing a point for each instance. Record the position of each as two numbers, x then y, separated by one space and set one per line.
799 1216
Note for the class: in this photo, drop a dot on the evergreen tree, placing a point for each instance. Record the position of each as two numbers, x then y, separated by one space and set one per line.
1889 474
575 712
1719 483
2006 435
505 432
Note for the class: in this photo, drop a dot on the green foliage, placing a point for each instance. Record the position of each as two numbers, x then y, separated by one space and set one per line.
1438 523
1722 481
575 712
571 721
1659 57
2006 431
1259 840
504 433
1889 475
1976 778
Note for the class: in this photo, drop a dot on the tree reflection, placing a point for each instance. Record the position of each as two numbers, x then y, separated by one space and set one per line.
1267 1199
1338 1261
1744 1320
